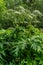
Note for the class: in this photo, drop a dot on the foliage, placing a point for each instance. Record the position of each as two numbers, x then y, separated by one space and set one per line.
10 16
20 51
2 7
21 40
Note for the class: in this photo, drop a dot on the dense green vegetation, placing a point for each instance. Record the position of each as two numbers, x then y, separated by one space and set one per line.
21 32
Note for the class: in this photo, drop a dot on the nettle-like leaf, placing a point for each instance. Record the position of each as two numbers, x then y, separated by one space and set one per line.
37 42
